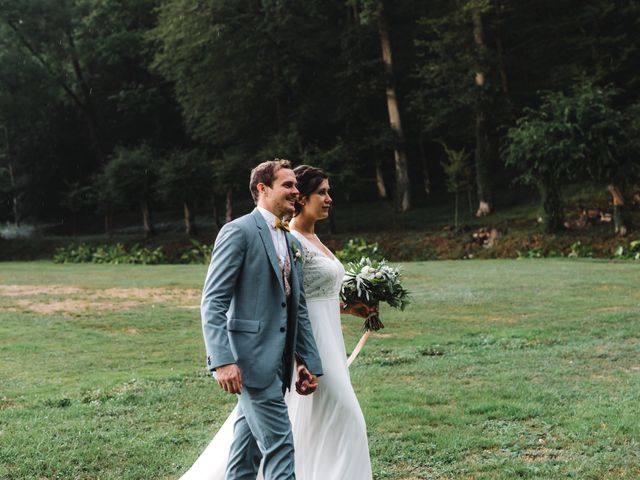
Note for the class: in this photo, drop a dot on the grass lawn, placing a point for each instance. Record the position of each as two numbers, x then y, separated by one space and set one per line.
500 369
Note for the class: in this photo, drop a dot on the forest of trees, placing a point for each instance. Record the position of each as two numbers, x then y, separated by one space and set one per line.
113 105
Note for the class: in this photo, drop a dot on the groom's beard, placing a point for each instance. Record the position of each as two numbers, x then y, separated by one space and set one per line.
287 207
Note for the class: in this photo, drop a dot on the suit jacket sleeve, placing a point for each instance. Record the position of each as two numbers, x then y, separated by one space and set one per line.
226 262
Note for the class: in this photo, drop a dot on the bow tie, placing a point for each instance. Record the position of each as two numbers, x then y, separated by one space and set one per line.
281 224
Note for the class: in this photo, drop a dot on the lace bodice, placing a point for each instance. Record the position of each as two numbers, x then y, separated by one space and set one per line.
322 275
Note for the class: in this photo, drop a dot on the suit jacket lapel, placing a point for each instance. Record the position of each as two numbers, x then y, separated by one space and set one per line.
267 241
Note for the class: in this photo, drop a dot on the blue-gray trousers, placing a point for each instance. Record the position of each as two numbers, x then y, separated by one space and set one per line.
262 429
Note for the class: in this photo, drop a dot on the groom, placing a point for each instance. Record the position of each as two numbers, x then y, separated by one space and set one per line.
255 322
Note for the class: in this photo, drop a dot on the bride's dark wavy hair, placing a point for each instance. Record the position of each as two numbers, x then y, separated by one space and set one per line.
309 179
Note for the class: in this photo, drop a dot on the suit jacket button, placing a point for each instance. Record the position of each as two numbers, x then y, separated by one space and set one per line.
282 329
283 304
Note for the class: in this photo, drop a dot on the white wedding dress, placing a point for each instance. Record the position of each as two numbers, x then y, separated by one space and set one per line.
329 430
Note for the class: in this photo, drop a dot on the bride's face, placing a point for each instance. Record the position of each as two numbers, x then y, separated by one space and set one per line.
318 204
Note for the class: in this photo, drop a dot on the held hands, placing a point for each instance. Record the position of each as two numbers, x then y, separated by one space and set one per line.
307 382
229 378
361 310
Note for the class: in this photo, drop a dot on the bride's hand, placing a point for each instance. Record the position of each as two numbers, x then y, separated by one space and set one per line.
361 310
307 382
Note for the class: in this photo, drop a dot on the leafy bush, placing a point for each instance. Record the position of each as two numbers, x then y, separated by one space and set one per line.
536 252
146 256
112 254
197 253
577 250
356 248
71 254
630 252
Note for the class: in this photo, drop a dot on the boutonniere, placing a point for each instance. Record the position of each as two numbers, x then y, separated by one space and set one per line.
297 254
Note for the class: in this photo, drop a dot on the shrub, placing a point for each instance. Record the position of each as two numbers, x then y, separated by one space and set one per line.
536 252
72 254
197 253
577 250
112 254
146 256
630 252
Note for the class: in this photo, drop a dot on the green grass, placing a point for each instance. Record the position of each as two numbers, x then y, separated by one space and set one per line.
500 369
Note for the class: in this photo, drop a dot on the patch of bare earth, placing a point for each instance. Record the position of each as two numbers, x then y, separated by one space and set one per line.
57 299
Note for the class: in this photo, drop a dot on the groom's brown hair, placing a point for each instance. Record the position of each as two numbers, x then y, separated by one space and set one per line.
266 173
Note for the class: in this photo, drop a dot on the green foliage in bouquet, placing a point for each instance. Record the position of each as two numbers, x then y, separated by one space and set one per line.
358 248
371 282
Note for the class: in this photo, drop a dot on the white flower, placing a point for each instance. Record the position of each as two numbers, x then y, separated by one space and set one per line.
378 275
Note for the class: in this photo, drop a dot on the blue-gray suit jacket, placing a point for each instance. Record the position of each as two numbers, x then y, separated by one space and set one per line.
244 308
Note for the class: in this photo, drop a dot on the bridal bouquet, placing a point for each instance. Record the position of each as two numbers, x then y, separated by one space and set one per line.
373 282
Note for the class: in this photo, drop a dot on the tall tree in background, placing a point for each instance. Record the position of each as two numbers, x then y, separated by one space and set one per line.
374 11
460 97
483 150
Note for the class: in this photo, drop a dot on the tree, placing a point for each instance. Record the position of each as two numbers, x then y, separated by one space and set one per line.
460 96
543 147
186 176
569 135
374 12
49 33
128 179
459 176
609 144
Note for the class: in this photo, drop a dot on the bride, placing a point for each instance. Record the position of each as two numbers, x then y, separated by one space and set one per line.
329 430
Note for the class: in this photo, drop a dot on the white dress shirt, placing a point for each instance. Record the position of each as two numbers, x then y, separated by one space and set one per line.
277 235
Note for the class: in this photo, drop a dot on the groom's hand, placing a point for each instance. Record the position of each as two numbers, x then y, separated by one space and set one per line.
307 382
229 378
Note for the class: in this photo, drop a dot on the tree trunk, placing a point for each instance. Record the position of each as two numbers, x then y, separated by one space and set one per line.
15 200
88 105
552 205
455 215
146 220
403 202
216 216
74 224
15 197
189 219
382 190
482 162
617 198
108 222
483 146
228 215
425 168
